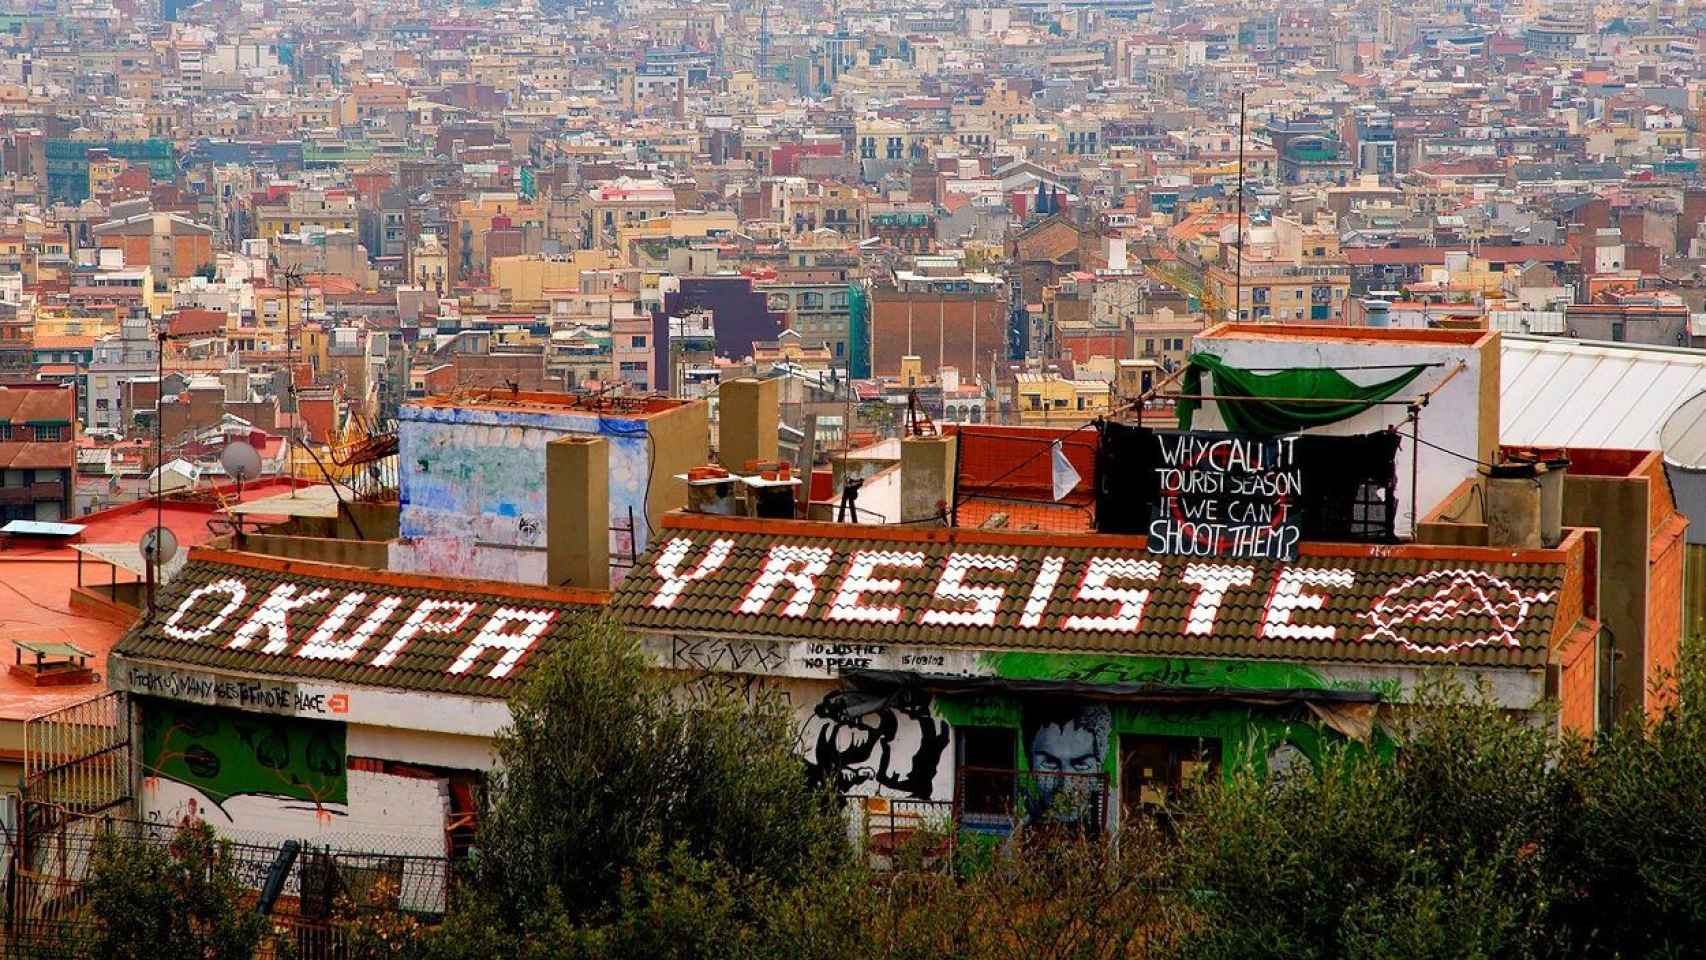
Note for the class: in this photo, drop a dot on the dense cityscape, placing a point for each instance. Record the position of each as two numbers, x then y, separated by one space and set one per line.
612 478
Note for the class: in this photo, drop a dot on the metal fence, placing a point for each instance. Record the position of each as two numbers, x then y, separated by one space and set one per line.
47 916
77 759
890 825
996 800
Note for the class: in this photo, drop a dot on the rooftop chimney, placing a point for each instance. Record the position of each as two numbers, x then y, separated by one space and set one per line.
1513 505
711 489
926 476
747 415
770 487
911 370
577 512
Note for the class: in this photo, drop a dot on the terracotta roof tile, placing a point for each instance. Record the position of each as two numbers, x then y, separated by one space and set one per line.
480 622
1109 594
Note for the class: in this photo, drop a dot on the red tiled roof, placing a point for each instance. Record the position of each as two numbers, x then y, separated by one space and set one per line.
47 404
998 590
27 455
63 342
190 322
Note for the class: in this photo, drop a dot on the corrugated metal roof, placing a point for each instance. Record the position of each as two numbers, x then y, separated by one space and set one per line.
1526 321
1576 393
839 585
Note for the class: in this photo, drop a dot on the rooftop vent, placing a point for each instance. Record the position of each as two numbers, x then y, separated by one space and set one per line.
51 664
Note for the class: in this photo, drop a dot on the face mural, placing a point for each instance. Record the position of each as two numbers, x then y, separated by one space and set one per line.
877 743
1067 744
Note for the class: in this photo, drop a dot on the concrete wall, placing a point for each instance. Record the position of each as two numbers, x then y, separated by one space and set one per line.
385 813
473 488
680 442
376 809
370 554
1618 507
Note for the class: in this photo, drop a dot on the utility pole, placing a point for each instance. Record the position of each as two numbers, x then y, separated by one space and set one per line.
1238 282
291 276
153 562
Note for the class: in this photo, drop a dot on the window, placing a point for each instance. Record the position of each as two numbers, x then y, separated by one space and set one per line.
638 342
1154 770
47 434
986 757
101 403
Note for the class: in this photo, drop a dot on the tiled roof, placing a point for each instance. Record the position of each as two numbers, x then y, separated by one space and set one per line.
29 455
245 612
37 405
1096 594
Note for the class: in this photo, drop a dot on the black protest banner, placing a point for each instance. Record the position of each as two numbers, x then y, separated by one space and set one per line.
1225 495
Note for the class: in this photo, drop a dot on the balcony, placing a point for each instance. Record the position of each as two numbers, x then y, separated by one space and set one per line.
51 490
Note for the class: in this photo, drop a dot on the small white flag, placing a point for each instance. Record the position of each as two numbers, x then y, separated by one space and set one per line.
1065 477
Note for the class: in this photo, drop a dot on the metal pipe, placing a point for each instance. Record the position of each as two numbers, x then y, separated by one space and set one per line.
1212 396
1415 447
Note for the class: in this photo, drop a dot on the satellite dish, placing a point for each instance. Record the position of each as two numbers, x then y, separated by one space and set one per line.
158 546
240 461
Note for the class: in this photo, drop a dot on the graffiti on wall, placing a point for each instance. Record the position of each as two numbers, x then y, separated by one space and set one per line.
1067 745
472 500
719 654
225 754
877 743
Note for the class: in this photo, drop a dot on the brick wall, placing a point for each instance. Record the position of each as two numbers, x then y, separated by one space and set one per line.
1578 680
1664 616
965 332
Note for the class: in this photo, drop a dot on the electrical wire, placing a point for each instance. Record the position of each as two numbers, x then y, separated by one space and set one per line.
1454 453
1046 449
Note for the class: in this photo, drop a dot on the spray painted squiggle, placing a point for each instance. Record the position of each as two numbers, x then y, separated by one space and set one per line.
1451 596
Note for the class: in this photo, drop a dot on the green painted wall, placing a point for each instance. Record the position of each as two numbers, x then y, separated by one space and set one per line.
1246 735
228 753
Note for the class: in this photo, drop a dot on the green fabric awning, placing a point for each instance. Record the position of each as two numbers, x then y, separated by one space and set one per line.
1276 412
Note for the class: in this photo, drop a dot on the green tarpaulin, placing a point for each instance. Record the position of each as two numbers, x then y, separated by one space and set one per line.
1272 407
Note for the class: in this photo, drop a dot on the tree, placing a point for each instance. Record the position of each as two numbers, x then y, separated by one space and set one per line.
1634 842
611 783
1440 852
181 901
